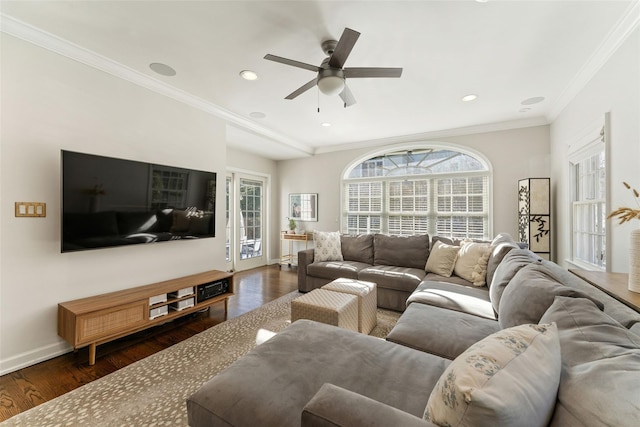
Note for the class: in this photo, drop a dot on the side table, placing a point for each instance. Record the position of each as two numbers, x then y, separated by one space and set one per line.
290 257
614 284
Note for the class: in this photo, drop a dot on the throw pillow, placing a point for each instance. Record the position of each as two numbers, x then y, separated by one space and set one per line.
600 360
509 378
529 295
357 248
510 265
327 246
401 251
442 259
471 263
500 246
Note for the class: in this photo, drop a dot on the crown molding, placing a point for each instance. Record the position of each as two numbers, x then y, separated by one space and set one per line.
430 136
629 21
53 43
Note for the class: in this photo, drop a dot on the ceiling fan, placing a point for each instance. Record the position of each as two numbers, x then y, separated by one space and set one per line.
331 78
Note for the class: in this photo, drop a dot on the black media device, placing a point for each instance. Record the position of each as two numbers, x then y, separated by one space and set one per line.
213 289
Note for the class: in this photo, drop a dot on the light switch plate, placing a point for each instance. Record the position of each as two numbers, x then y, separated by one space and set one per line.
31 209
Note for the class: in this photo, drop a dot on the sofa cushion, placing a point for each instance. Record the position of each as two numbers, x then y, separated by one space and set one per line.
357 248
508 379
334 406
401 251
271 384
623 314
440 331
467 299
635 328
600 367
500 246
327 246
390 277
454 241
512 262
471 263
335 269
433 277
442 259
529 295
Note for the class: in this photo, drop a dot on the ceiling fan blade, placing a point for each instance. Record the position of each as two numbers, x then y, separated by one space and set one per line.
291 62
347 97
302 89
343 48
372 72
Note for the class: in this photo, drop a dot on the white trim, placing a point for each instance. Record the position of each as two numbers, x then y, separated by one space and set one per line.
38 37
412 138
582 265
608 244
593 140
233 169
629 21
34 356
587 146
415 145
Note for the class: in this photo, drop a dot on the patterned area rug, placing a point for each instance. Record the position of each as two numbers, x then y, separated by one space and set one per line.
153 391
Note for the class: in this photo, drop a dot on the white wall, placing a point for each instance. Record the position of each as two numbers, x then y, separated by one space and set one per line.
614 89
513 154
51 103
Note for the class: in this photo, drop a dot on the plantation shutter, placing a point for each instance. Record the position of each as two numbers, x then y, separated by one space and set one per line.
426 190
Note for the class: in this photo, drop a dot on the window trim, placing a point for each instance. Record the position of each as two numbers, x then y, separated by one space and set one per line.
435 145
591 141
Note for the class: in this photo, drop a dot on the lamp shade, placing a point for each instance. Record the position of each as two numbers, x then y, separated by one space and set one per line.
331 84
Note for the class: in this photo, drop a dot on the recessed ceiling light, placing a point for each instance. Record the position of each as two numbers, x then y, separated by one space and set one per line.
534 100
325 124
481 1
258 115
162 69
248 75
470 97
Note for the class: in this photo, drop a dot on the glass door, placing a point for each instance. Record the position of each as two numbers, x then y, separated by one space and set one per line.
246 221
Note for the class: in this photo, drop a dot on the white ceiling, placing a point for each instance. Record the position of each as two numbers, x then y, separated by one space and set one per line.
505 51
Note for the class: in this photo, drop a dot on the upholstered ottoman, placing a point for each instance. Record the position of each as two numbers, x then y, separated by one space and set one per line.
333 308
367 300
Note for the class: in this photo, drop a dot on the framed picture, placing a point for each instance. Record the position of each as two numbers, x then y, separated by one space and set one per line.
303 206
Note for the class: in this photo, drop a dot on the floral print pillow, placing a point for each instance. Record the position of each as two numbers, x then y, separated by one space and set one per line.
328 246
510 378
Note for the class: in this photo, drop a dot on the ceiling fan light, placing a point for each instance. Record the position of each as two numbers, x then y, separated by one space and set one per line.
331 85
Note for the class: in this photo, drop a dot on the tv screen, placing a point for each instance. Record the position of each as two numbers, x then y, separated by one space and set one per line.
110 202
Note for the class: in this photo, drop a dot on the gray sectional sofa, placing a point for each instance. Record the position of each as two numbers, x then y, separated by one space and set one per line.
537 346
395 263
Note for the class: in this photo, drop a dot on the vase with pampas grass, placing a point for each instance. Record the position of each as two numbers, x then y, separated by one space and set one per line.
625 214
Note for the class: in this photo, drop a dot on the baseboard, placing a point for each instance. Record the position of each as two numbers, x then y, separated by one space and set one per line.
32 357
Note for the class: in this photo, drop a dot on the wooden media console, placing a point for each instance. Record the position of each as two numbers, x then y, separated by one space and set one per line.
102 318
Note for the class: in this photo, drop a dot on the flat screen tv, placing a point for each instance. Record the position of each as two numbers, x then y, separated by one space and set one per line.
110 202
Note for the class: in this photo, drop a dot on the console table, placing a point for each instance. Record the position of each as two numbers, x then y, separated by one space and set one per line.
103 318
290 257
614 284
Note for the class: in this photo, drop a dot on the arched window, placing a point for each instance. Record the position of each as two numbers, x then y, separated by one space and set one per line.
436 190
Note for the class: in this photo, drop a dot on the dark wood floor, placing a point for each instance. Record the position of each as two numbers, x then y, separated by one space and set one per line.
29 387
